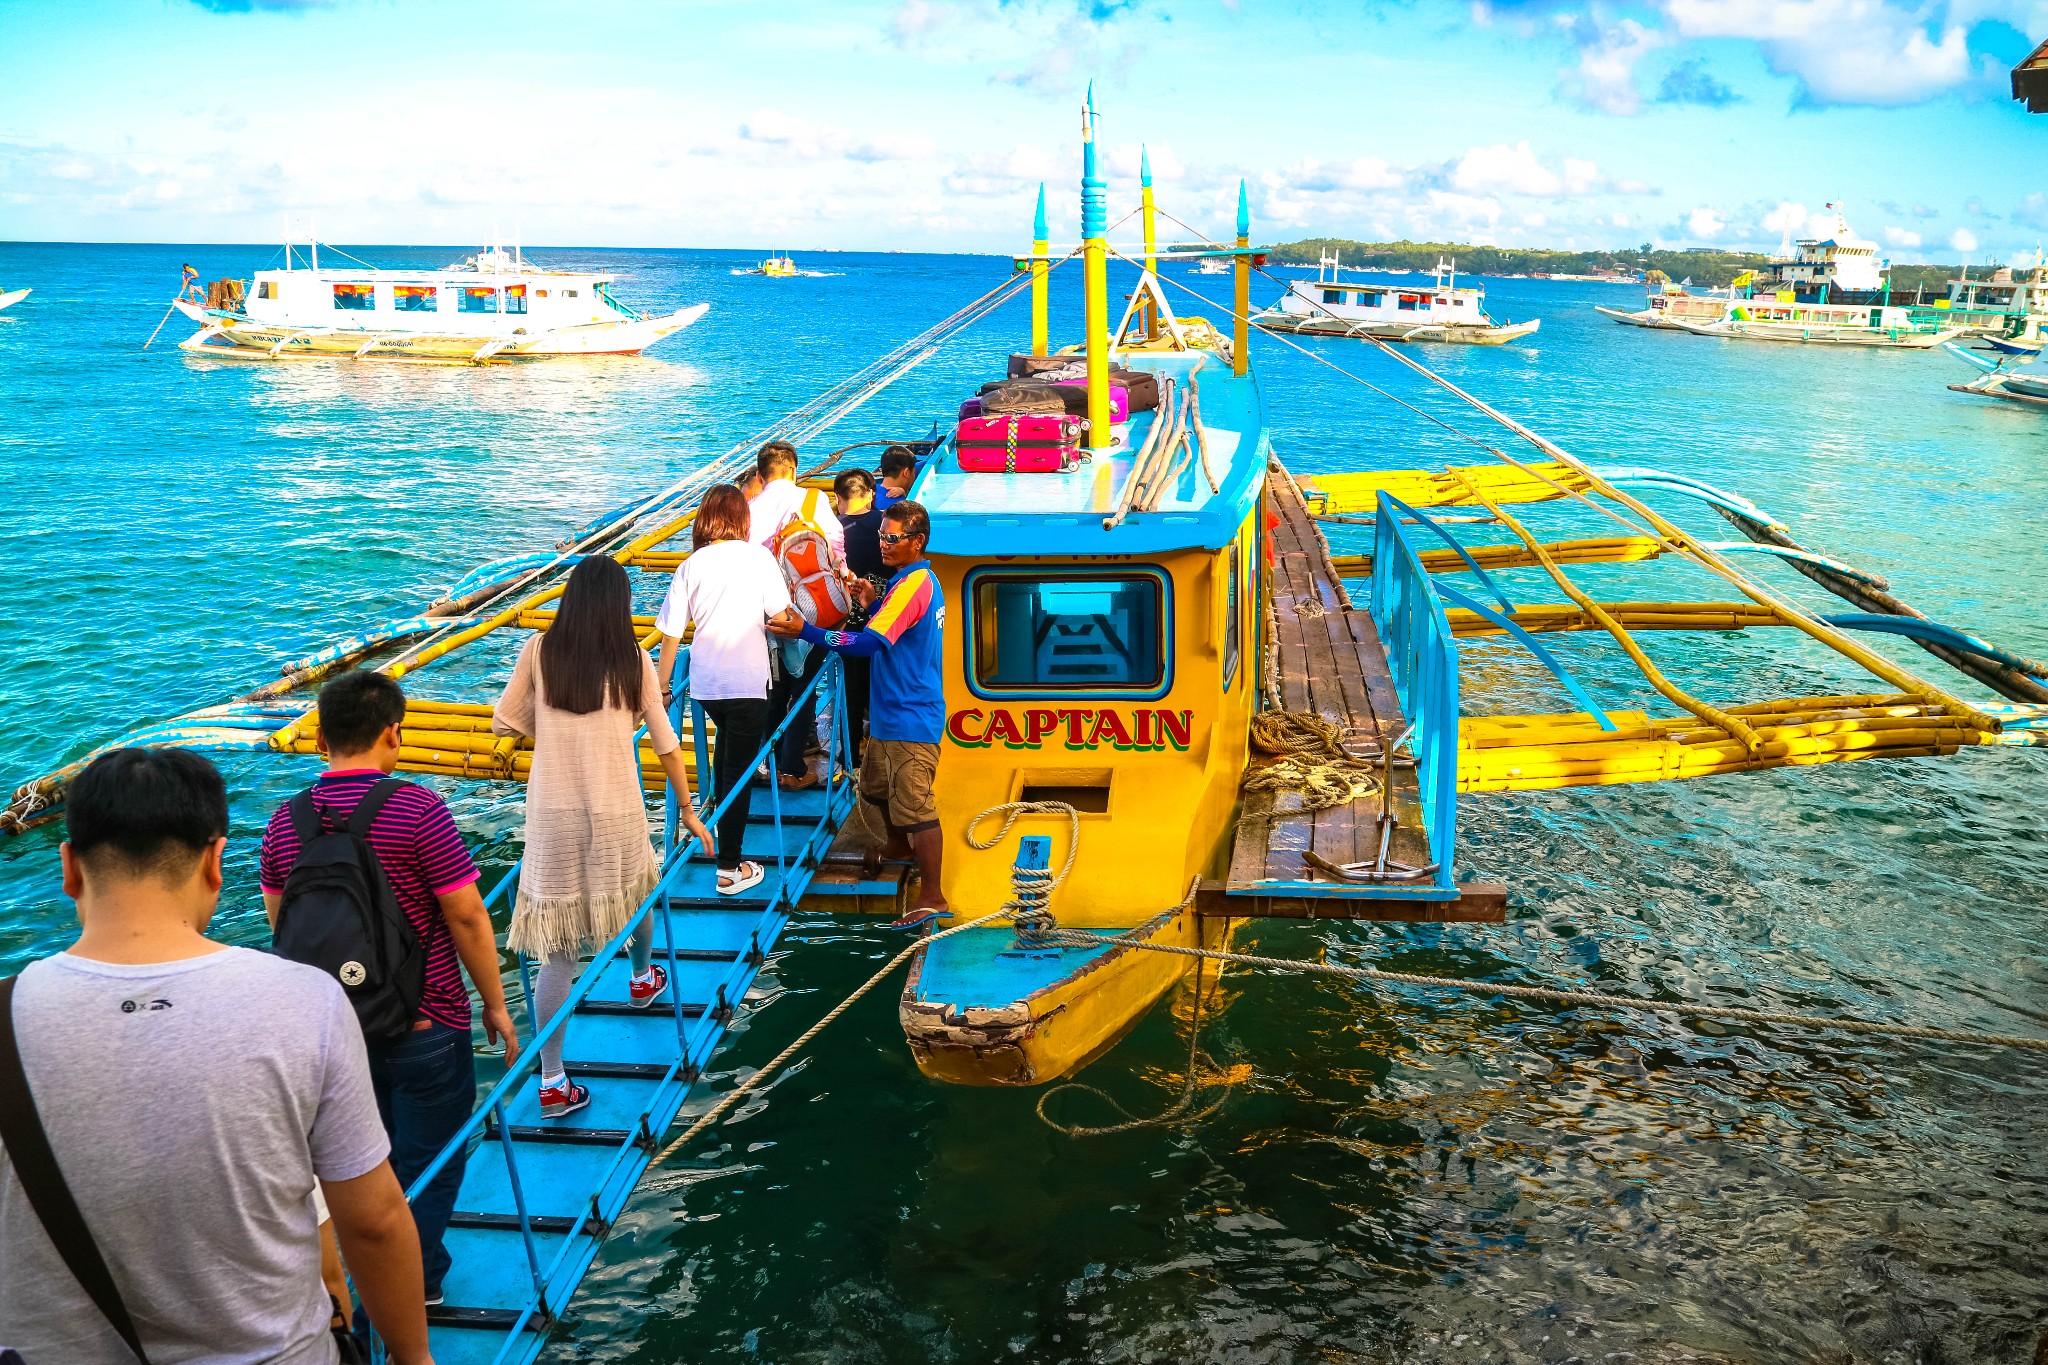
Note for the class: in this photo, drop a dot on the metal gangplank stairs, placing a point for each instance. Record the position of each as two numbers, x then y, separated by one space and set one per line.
538 1196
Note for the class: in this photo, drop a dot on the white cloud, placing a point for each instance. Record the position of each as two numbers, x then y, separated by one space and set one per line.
1515 170
1900 237
1963 240
812 140
1365 173
1705 224
1605 78
1841 51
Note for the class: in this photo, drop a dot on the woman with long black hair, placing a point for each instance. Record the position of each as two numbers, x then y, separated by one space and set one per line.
581 690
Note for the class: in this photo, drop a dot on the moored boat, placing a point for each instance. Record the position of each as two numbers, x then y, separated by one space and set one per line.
2007 377
1727 314
1329 305
495 305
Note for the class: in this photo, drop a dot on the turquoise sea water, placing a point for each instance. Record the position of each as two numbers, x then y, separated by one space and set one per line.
1402 1177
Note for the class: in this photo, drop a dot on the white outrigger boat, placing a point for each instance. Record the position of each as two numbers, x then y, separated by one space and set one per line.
1672 308
2004 378
1329 305
10 297
494 306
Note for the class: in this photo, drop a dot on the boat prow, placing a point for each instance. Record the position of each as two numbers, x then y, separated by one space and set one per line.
13 296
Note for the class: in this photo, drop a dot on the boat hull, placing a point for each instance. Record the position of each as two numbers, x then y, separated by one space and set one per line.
12 297
1057 1029
1462 333
232 334
1790 332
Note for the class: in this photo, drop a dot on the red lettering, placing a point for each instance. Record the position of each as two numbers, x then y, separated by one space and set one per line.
1144 737
956 728
1003 726
1177 729
1110 726
1037 725
1075 719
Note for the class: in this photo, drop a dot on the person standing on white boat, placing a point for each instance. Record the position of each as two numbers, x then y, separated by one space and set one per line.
581 690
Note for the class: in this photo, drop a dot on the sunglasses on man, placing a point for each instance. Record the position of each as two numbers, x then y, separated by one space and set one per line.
893 537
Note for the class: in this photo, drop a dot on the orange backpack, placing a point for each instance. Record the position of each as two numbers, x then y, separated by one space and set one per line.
811 568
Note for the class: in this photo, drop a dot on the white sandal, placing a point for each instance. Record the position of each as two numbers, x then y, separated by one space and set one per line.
746 875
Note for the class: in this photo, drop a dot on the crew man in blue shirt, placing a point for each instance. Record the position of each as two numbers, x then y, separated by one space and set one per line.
906 697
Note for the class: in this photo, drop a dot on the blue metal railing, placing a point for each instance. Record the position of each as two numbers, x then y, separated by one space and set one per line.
669 1094
1424 661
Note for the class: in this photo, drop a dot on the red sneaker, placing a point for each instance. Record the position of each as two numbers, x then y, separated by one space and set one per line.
645 993
566 1098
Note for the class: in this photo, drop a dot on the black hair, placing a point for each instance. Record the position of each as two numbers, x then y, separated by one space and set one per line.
145 812
590 658
850 479
357 707
775 455
911 517
897 459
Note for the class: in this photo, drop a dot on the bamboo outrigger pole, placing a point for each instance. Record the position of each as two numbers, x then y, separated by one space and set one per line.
1095 264
1241 328
1041 243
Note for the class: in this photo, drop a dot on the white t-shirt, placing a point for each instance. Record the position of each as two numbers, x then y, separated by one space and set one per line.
774 505
728 590
193 1105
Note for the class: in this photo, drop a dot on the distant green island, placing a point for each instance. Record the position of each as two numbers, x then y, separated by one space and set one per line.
1702 265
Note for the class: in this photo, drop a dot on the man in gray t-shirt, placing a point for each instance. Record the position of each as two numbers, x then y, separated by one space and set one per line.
193 1094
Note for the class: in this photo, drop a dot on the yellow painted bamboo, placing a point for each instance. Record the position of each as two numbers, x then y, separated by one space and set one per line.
1594 550
1651 673
1095 272
1629 615
1347 494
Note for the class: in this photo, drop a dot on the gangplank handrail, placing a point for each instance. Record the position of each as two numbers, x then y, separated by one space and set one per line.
1423 658
682 1071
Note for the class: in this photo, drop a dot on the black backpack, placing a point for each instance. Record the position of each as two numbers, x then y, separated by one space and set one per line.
339 914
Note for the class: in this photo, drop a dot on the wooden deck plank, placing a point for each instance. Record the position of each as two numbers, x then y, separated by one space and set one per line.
1329 661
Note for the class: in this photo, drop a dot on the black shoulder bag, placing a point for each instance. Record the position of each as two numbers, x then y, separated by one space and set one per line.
42 1180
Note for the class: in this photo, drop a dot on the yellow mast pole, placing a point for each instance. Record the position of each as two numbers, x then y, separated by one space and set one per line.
1151 238
1241 330
1041 244
1095 281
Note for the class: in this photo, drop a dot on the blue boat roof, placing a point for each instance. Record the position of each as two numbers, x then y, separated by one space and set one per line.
988 514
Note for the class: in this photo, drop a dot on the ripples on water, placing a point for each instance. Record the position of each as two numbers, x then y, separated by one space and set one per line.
1405 1177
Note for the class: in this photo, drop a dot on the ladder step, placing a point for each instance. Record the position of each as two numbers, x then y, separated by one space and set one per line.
540 1222
618 1071
497 1319
574 1137
699 955
660 1009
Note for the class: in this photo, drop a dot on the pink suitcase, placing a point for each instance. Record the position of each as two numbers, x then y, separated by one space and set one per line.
1119 397
1020 443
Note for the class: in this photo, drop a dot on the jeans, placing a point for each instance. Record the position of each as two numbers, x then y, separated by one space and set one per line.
426 1088
792 748
741 722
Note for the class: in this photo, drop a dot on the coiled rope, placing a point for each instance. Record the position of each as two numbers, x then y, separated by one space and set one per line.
1031 887
1076 938
1309 759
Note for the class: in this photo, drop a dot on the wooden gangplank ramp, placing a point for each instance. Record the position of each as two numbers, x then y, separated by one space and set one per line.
1328 659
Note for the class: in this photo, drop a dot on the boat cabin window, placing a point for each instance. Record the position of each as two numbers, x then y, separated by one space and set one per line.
1369 300
1411 301
476 300
357 298
568 293
1038 633
413 298
515 298
266 289
1333 296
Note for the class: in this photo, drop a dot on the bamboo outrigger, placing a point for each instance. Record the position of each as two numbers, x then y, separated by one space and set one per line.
1157 677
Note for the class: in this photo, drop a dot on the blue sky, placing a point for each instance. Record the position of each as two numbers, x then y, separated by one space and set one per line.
927 124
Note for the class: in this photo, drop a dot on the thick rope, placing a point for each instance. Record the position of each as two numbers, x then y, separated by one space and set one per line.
1077 938
1031 887
776 1063
1309 759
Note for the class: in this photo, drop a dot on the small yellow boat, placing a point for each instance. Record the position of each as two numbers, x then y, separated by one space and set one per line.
777 267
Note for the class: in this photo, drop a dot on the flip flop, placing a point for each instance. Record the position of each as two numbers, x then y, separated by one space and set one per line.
919 918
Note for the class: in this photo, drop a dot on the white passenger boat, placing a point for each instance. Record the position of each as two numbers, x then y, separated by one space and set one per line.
495 305
8 298
1329 305
1726 314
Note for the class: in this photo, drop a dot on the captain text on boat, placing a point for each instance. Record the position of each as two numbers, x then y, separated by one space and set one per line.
906 698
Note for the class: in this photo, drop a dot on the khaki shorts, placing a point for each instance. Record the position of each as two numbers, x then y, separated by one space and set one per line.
896 774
